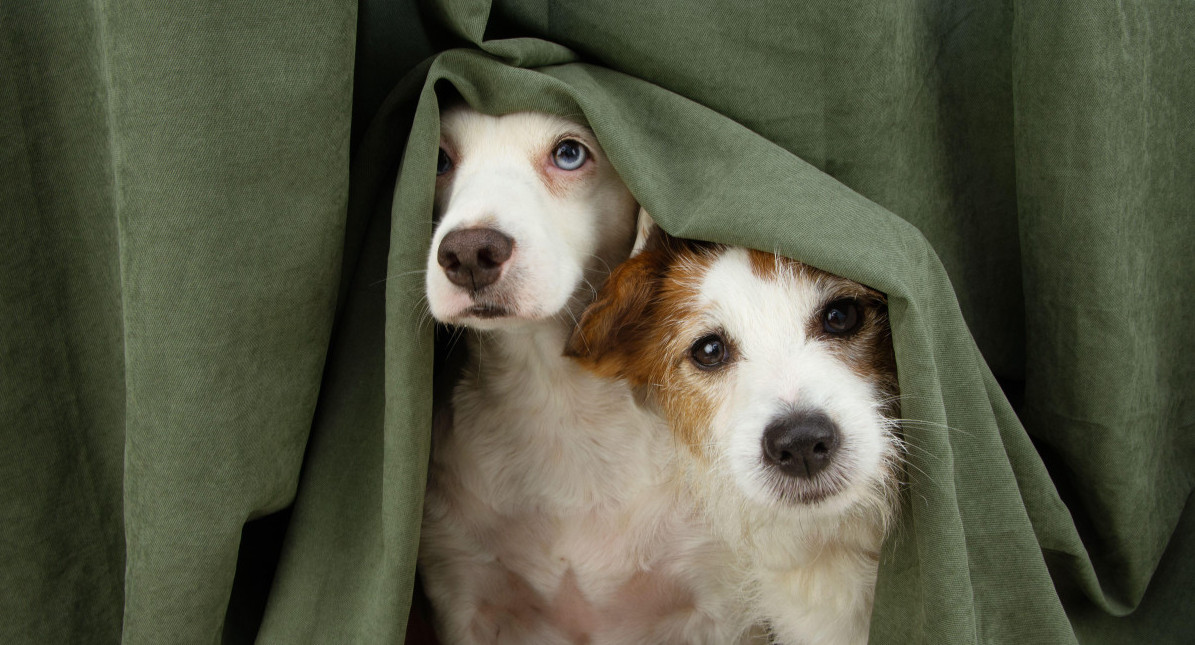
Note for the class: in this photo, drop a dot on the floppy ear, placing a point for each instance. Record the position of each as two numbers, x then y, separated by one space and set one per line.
643 230
613 329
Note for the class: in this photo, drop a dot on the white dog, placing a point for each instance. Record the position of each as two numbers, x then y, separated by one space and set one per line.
782 381
554 510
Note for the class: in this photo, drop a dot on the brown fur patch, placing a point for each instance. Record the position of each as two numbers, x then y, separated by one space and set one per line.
629 331
868 350
688 395
606 339
764 265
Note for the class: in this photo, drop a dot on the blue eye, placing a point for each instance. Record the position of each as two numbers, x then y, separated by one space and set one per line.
569 155
443 164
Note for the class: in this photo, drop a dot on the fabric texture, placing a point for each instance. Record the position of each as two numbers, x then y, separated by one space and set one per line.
215 364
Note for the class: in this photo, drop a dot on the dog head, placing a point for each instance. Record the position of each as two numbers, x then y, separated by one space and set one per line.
530 214
779 377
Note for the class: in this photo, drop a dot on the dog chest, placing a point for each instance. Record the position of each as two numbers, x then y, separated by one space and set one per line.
557 455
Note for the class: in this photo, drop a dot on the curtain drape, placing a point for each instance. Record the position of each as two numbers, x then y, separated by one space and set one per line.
215 369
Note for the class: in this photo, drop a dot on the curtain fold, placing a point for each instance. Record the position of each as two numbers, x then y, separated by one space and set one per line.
175 183
215 370
1104 167
62 376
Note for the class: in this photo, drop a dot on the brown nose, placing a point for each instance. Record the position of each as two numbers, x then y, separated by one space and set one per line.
472 257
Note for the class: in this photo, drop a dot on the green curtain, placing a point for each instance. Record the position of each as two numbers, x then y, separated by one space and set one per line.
215 372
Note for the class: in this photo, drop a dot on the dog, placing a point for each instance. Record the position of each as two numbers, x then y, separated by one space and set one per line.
781 381
555 510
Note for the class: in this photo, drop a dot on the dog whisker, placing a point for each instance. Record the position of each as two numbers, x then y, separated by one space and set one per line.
401 275
912 448
605 265
455 337
922 423
927 476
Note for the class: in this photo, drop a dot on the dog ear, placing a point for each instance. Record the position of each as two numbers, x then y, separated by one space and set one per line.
613 328
643 230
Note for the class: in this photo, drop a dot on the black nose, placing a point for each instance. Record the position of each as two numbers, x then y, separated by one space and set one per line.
472 257
800 444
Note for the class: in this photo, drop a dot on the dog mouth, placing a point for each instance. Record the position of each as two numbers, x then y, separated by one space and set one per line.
487 311
798 492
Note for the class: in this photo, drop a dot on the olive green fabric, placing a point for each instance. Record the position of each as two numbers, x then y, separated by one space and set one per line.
173 183
215 367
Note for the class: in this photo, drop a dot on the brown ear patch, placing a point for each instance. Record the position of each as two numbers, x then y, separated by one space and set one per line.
606 340
618 335
638 329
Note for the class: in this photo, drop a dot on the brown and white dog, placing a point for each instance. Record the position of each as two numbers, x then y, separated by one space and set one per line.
781 380
555 512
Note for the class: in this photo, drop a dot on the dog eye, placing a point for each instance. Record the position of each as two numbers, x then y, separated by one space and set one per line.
841 316
443 164
569 155
709 352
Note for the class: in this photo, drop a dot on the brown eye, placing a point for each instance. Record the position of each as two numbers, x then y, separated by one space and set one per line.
443 163
842 316
709 352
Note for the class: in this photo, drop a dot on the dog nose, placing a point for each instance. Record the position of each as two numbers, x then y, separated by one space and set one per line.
472 257
800 444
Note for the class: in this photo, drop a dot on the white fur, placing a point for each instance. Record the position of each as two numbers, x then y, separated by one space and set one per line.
555 510
812 567
560 240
